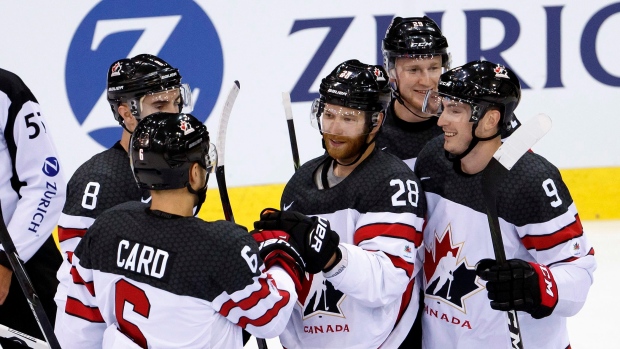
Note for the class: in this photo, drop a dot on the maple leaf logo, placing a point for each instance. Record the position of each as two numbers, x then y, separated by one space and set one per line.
447 275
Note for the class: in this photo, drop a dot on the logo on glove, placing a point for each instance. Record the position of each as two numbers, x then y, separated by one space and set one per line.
317 235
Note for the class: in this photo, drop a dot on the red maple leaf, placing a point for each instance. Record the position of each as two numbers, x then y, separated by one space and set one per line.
441 249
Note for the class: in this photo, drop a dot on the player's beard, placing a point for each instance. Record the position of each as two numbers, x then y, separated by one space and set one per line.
347 149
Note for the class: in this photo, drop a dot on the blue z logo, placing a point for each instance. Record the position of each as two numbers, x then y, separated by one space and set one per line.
181 34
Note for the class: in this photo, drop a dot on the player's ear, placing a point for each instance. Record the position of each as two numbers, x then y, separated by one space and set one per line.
197 175
490 122
125 113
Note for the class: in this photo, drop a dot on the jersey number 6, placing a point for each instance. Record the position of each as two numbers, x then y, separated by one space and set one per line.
128 293
412 193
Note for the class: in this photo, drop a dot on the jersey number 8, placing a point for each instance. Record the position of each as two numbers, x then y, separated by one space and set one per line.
89 200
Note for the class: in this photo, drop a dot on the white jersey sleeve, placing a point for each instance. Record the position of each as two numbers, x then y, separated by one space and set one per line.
32 188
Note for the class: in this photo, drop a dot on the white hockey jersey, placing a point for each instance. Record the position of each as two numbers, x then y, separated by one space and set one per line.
100 183
32 187
142 280
539 223
378 213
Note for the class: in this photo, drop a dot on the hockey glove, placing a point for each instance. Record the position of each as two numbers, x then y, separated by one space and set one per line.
275 247
519 285
317 242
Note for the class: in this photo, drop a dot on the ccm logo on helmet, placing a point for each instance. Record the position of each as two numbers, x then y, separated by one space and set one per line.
421 44
317 235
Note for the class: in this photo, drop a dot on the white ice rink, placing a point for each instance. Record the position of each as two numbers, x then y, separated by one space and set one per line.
595 325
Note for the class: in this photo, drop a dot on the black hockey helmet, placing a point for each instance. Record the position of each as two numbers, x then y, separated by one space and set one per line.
482 85
414 37
355 85
131 78
164 146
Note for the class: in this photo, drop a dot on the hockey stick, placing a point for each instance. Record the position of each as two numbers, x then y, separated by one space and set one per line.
288 112
220 175
21 338
221 146
26 286
502 161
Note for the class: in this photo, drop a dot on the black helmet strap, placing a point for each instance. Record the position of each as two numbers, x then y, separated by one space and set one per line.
200 193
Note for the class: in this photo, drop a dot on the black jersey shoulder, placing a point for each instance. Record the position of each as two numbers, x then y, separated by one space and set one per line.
104 181
432 163
369 188
16 90
203 259
533 192
405 139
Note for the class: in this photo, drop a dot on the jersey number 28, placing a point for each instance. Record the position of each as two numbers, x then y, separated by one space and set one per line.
400 198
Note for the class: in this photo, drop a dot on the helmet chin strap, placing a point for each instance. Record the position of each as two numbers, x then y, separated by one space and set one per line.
400 100
200 193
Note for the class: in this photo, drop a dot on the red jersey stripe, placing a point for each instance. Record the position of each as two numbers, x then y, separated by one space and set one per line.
70 256
568 260
69 233
76 308
269 315
394 230
405 301
401 263
545 242
77 279
249 302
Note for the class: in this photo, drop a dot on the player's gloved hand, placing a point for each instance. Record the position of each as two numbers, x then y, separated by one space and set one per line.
519 285
317 242
276 247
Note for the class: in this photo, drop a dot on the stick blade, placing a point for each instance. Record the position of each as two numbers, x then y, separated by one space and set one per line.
286 102
523 139
221 134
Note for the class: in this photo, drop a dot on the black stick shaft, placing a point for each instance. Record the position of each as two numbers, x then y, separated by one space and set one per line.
293 138
491 178
26 286
221 184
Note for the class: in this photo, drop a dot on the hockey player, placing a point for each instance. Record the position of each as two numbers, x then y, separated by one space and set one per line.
32 192
158 277
367 215
550 261
136 87
415 54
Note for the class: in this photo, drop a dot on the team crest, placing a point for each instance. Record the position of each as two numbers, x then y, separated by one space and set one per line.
500 72
449 278
186 127
116 69
319 297
379 74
